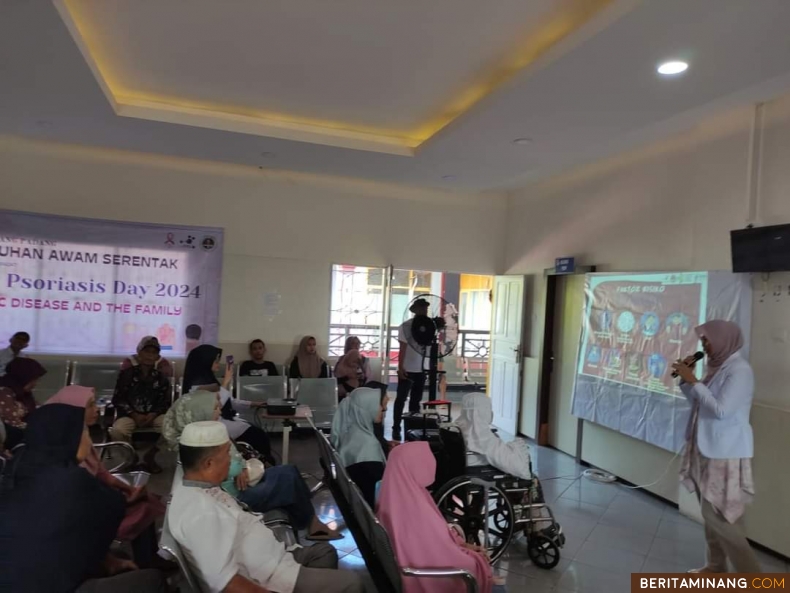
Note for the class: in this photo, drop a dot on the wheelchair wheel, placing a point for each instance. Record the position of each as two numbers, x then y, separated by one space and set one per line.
463 502
543 552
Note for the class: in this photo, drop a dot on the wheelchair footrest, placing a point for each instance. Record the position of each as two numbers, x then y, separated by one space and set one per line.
430 435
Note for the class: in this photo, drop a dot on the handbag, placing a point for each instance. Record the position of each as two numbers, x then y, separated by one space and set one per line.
255 471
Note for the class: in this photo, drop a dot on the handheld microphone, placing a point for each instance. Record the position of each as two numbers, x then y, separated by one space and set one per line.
697 357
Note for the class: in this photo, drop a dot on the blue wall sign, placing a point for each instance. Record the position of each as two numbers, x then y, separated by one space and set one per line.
565 265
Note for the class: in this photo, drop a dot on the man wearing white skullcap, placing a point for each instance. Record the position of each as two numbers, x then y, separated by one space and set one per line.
230 549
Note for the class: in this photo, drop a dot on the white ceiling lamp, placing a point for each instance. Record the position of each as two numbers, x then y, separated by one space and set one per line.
522 141
672 68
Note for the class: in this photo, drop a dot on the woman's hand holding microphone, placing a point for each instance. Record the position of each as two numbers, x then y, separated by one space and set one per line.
685 369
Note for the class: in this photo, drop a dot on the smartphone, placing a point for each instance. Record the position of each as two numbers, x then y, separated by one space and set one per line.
229 359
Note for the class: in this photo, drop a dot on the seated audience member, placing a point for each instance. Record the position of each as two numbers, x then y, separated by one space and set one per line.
58 521
354 343
280 487
418 530
142 397
355 440
199 374
16 344
349 373
20 379
142 508
307 364
231 550
162 365
258 366
12 414
486 448
192 332
378 427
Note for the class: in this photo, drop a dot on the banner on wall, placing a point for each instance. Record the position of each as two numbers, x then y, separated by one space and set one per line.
95 287
634 327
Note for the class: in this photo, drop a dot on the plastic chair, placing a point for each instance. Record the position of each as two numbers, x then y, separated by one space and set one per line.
102 376
55 380
375 368
260 389
320 395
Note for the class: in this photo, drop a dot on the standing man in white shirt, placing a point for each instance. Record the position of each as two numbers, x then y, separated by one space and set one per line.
411 372
229 549
16 344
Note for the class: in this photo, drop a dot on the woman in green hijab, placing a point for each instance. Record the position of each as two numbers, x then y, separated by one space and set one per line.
353 435
281 487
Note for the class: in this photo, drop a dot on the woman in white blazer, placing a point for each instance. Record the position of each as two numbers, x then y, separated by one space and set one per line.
717 459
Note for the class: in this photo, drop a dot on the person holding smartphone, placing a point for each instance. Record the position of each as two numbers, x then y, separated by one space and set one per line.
199 374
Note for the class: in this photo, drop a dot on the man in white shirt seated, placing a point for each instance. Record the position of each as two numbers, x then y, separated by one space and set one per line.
229 549
16 344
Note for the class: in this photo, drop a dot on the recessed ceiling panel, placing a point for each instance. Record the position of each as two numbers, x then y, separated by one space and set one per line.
340 72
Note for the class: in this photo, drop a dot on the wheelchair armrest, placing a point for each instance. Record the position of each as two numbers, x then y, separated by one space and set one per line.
432 573
126 447
247 450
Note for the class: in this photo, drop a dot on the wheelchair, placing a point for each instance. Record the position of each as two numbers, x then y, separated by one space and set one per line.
490 506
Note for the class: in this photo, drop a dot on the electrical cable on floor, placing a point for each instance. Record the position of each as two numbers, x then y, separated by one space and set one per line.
597 475
604 477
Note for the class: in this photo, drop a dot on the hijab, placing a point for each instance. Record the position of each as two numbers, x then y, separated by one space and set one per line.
73 395
192 407
197 370
18 374
475 424
352 427
309 364
725 339
349 365
54 509
78 396
418 531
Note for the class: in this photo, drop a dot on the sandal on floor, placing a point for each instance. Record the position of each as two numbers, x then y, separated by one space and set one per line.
323 536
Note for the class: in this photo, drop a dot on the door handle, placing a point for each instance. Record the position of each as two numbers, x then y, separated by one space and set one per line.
517 350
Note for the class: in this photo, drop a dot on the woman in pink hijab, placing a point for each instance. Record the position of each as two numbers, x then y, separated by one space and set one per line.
142 508
717 459
419 533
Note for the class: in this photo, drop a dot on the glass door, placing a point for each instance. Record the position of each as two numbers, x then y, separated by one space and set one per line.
359 305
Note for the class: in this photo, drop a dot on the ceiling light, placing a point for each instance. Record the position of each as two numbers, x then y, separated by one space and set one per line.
672 68
522 141
448 177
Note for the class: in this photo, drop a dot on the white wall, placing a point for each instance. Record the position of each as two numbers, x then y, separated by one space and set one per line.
671 207
282 231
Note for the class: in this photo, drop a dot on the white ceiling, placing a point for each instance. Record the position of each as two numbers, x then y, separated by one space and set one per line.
391 68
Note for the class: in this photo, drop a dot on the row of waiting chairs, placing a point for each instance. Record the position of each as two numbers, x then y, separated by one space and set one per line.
60 373
371 537
320 394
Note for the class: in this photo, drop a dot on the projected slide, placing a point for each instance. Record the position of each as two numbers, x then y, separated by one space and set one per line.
634 327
